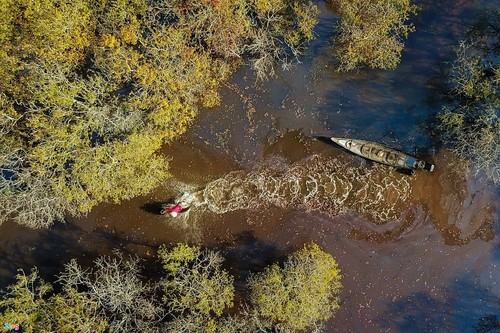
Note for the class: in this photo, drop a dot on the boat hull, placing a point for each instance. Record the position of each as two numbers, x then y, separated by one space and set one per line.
382 154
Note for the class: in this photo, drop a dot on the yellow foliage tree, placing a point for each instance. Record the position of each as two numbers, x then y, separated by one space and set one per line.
112 296
371 33
74 311
301 294
92 88
196 282
25 304
40 35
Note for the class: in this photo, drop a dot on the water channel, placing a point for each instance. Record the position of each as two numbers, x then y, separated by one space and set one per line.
418 253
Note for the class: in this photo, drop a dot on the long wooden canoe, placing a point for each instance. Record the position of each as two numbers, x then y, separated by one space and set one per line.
382 154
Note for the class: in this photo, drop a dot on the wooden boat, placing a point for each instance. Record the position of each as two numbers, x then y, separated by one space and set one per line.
382 154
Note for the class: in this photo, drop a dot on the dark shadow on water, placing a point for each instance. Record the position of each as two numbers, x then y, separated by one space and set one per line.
106 238
488 324
51 250
48 252
153 207
468 308
247 254
495 253
405 171
496 224
327 140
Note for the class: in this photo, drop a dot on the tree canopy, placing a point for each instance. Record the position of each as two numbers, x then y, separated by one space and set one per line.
301 294
92 88
470 123
371 33
194 294
196 281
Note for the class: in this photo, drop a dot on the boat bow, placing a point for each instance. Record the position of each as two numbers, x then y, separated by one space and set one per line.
382 154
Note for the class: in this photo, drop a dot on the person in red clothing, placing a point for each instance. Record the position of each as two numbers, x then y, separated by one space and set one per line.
180 205
174 210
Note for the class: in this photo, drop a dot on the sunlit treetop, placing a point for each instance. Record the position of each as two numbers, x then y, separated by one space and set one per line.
371 33
301 293
91 89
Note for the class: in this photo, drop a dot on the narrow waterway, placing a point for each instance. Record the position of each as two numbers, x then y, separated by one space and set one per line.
418 253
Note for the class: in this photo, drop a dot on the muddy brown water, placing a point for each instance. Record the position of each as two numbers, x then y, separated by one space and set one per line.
434 268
